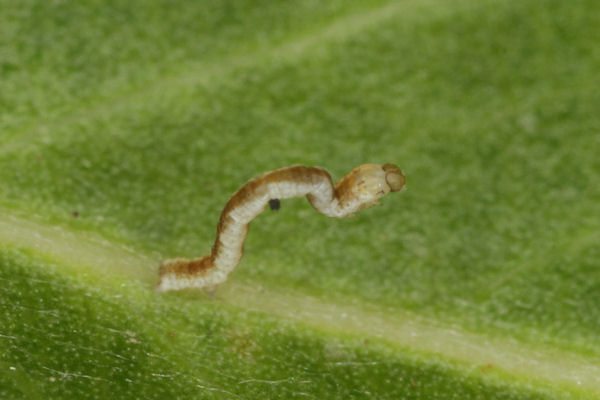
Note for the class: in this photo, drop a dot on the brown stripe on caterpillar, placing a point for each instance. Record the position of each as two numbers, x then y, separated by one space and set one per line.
361 188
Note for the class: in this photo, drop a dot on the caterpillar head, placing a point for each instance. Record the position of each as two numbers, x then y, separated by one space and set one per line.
394 177
368 183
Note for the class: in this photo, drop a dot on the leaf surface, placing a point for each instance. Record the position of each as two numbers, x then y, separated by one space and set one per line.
125 127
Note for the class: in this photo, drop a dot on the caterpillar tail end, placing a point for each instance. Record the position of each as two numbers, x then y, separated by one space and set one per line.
183 273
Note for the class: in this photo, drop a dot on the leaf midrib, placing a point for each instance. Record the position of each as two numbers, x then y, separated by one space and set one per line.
405 331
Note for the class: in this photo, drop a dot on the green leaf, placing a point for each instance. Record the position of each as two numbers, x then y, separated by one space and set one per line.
126 126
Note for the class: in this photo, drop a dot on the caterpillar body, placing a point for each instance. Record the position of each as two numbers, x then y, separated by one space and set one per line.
360 188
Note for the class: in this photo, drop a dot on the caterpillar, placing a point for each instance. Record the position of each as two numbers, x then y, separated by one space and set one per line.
359 189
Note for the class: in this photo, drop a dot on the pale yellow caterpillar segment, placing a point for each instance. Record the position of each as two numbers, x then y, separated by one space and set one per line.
359 189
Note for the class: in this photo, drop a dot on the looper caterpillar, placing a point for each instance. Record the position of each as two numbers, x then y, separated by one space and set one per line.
359 189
